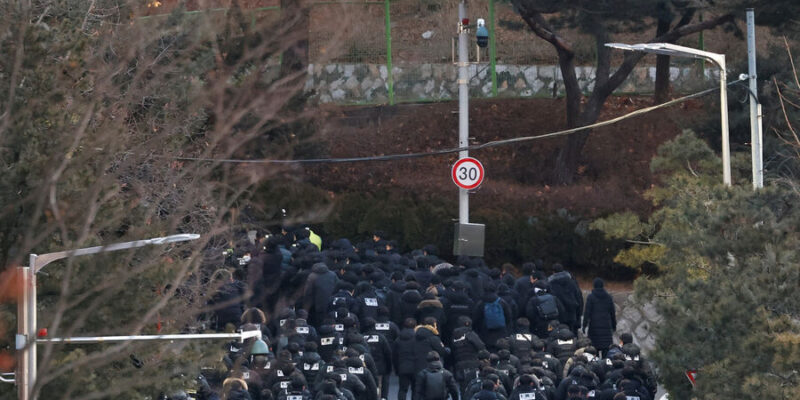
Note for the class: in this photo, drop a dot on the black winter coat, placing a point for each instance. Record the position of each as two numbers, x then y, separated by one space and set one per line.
600 317
408 305
448 381
403 353
431 308
424 342
319 289
491 336
566 289
396 290
466 344
381 351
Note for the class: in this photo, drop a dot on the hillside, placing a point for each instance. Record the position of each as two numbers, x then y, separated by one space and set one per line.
613 176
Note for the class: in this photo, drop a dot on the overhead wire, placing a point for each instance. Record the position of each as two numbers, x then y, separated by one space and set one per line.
495 143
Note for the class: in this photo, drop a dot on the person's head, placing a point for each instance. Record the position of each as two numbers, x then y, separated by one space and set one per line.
558 267
233 384
409 323
525 380
626 338
464 321
310 346
346 286
598 283
432 356
297 383
222 275
573 391
429 321
254 316
354 362
487 385
528 268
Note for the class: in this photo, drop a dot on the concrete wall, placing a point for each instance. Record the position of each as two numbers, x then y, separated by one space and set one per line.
367 83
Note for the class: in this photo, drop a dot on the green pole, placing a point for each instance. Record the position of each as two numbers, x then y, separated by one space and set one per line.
388 32
492 49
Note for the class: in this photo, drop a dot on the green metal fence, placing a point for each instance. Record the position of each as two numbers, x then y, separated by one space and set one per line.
388 51
405 37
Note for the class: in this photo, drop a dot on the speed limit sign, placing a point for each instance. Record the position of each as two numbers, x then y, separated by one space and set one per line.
467 173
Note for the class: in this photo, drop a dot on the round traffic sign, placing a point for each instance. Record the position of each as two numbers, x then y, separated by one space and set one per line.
467 173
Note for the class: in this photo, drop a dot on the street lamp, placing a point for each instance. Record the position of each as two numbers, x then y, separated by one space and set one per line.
26 306
669 49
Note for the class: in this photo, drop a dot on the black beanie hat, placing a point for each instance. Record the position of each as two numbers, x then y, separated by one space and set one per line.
598 283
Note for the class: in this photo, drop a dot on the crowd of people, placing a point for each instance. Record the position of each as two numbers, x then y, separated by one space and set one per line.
339 321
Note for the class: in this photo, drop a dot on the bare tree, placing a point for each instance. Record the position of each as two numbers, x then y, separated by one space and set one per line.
600 19
101 110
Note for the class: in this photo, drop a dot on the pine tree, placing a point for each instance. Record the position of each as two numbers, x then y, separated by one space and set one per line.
728 270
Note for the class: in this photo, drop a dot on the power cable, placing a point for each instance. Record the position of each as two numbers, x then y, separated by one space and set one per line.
495 143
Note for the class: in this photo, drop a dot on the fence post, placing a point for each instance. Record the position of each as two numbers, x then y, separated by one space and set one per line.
492 49
388 31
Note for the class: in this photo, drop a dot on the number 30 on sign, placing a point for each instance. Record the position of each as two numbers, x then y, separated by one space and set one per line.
467 173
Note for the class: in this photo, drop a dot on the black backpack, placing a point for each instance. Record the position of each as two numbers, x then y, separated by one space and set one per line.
546 306
435 388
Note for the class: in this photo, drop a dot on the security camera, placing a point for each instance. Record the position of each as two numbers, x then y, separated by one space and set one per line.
482 34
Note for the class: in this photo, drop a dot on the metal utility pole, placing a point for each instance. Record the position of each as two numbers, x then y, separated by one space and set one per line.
755 106
25 373
674 50
463 105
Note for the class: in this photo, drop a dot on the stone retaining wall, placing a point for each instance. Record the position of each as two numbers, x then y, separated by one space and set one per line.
367 83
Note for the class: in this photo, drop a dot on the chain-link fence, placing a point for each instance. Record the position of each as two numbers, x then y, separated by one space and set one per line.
378 51
387 51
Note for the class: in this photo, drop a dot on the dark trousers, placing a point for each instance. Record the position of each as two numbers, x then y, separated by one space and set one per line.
464 376
406 381
384 382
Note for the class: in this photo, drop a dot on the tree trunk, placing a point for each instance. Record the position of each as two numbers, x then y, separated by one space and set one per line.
294 59
662 67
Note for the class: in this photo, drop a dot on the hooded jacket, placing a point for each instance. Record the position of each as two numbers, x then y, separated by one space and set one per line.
466 344
403 353
563 286
381 351
490 336
319 289
426 339
600 317
458 304
408 304
431 308
422 389
395 291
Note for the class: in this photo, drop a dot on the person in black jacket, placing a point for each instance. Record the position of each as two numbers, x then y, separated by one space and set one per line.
386 326
409 300
466 344
491 335
404 357
430 306
381 352
227 303
426 339
600 317
564 286
540 294
459 304
319 289
434 382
